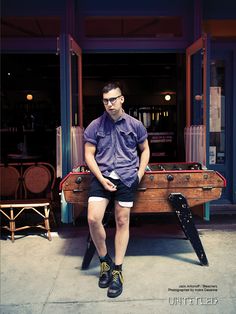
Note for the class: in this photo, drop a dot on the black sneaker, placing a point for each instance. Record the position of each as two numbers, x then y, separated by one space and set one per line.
116 285
105 274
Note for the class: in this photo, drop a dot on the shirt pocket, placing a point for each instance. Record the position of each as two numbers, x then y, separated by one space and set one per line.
128 138
103 140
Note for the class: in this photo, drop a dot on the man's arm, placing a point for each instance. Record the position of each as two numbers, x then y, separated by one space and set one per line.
144 158
90 160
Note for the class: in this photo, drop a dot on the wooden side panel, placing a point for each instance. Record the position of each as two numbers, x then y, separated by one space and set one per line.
198 187
158 179
76 197
156 200
188 179
77 181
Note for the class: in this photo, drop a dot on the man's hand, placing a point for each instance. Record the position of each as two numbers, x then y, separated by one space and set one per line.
108 185
140 177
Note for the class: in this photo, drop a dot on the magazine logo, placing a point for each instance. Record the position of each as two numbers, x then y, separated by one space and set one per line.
192 301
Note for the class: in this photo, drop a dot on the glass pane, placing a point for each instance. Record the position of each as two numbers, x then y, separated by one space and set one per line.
197 88
30 107
74 88
217 113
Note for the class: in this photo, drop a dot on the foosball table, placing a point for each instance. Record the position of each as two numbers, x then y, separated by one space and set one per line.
166 187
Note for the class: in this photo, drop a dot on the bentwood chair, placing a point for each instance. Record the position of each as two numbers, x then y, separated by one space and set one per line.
9 184
35 183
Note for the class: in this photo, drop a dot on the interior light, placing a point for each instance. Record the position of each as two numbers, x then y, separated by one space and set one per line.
29 96
167 97
198 97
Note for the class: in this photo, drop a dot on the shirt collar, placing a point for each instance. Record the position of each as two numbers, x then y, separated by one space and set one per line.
123 116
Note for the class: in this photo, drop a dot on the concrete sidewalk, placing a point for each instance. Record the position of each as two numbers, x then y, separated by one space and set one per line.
162 272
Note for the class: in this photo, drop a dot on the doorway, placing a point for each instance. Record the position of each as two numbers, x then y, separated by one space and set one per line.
30 107
154 89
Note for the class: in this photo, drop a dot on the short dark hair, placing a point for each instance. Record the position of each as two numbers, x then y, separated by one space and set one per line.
111 85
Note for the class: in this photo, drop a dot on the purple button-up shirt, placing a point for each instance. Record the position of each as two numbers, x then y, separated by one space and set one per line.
116 145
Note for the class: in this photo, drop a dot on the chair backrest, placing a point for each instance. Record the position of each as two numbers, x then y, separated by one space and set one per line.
10 180
39 180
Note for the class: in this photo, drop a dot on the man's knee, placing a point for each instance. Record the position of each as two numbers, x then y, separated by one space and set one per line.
122 221
96 209
92 220
122 218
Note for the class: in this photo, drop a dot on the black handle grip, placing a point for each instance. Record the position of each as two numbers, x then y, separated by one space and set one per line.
142 189
78 180
170 177
77 190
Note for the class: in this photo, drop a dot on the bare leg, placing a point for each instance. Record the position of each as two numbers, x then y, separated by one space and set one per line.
122 216
96 212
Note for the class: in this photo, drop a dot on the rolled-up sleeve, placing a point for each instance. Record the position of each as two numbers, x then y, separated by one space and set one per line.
90 133
141 133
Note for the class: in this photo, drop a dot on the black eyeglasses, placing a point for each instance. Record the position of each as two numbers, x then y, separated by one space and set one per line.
112 100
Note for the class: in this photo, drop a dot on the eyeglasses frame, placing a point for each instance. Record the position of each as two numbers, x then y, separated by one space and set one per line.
112 100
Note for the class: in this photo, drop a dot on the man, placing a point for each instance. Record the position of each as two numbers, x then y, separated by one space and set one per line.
113 143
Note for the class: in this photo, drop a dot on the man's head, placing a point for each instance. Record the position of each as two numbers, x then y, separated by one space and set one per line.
112 85
113 99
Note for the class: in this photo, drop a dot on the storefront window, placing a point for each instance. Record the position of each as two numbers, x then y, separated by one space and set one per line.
217 113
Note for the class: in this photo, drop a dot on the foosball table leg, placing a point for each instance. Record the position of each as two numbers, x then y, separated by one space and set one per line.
90 249
184 214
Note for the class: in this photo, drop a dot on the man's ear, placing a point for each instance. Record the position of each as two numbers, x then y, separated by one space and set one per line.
122 99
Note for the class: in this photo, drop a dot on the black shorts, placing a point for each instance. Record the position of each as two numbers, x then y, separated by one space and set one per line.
122 194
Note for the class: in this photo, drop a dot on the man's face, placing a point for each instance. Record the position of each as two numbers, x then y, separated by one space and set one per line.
113 101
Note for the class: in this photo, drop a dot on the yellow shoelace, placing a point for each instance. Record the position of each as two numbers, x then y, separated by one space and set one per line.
117 275
104 268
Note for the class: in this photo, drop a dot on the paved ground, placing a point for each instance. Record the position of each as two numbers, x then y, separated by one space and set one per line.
161 270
